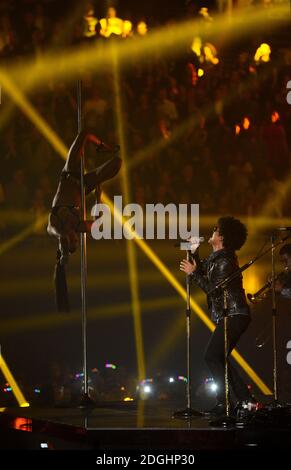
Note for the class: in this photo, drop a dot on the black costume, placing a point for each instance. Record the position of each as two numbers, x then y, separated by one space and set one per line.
219 265
65 219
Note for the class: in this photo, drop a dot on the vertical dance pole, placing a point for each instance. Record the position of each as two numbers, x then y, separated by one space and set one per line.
85 400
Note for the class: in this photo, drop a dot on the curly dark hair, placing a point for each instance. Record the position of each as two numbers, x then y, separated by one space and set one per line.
234 232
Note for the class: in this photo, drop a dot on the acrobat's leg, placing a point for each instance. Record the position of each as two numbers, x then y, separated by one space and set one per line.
74 155
104 172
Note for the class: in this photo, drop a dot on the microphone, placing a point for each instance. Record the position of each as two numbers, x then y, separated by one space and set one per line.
188 244
283 229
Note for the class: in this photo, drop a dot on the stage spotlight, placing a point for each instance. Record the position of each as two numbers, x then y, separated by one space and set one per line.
142 28
246 123
263 53
210 385
110 366
145 389
213 387
275 116
90 23
210 53
182 378
79 375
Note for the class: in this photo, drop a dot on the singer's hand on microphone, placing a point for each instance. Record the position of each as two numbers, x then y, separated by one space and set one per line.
188 267
194 243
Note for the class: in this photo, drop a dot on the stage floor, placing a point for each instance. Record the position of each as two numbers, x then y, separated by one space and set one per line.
136 426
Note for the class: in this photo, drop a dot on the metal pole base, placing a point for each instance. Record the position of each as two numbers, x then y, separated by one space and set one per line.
223 421
86 402
188 413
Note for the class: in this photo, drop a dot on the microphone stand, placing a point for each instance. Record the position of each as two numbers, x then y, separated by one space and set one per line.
188 412
275 404
274 323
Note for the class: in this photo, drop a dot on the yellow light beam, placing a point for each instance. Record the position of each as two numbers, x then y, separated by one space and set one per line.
168 275
152 256
282 189
280 194
161 144
173 333
182 292
12 382
131 250
262 222
32 284
156 147
32 114
56 40
52 319
34 227
168 40
171 336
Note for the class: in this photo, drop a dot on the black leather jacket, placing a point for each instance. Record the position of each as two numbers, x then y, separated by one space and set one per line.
219 265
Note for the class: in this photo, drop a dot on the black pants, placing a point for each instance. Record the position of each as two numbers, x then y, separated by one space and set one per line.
214 357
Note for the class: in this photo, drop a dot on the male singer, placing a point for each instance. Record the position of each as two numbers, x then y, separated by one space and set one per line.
228 236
